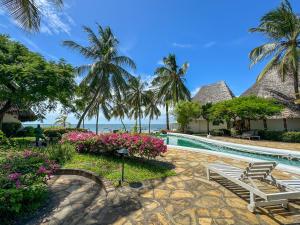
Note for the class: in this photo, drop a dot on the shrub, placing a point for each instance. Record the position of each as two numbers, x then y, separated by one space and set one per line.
270 135
57 132
10 129
217 132
3 139
23 181
26 132
141 145
291 137
22 141
60 153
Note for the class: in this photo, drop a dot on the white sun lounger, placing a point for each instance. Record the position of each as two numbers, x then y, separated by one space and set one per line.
292 185
260 171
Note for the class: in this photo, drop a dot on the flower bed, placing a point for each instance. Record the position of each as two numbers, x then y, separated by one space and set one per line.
23 187
139 145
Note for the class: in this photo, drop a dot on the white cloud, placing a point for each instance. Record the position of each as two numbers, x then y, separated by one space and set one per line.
209 44
180 45
160 62
195 91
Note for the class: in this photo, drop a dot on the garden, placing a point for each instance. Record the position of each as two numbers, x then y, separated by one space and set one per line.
25 169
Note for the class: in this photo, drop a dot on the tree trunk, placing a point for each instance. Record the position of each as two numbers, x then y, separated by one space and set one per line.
97 119
265 124
296 85
140 121
167 116
83 123
149 125
123 124
285 124
88 107
4 109
207 126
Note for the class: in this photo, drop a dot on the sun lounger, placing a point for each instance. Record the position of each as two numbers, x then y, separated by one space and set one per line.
249 135
292 185
245 179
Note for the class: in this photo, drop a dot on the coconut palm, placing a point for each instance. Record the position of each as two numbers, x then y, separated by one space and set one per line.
106 73
282 27
170 83
137 98
151 109
120 109
27 12
62 120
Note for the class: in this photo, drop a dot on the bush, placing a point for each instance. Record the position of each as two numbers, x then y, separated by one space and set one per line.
57 132
141 145
220 132
22 141
10 129
291 137
60 153
26 132
270 135
23 181
3 139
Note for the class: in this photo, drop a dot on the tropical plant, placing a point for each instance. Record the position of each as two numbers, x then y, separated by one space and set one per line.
137 98
282 27
205 113
151 109
185 112
27 13
169 82
106 73
120 109
62 120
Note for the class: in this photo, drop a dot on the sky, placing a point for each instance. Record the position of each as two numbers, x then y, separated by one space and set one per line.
211 35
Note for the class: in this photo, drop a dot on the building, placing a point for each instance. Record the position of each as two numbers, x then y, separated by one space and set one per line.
16 115
211 93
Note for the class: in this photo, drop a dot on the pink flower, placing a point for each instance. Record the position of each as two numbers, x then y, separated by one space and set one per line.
14 176
42 169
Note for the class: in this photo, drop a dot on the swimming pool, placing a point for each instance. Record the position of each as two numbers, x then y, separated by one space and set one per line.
177 140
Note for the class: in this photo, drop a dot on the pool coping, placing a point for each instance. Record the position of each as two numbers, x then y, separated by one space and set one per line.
280 166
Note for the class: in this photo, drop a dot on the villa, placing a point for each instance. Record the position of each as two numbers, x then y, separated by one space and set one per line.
17 115
271 86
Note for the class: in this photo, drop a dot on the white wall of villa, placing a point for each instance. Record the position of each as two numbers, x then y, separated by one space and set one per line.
9 118
199 126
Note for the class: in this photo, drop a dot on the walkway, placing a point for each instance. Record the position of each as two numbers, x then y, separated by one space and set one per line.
187 198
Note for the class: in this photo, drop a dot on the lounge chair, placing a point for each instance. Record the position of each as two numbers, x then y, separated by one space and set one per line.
245 179
289 185
250 135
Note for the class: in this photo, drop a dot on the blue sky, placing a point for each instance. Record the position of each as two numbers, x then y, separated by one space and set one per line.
212 35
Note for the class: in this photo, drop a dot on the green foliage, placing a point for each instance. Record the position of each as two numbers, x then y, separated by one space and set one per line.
291 137
250 107
3 139
60 153
22 141
220 132
185 112
10 129
26 132
27 80
57 132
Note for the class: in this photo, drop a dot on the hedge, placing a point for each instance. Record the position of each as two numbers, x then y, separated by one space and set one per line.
57 132
10 129
22 141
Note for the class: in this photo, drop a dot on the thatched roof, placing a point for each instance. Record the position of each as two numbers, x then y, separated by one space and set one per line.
23 115
272 86
213 93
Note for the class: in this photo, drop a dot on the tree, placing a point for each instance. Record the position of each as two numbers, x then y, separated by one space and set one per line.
185 112
120 108
106 73
151 109
137 98
282 27
27 13
245 108
62 120
169 82
205 113
28 81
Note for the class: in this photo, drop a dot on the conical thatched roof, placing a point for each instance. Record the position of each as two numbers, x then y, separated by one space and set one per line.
272 86
213 93
23 115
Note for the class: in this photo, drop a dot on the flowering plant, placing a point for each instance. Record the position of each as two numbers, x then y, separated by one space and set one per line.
141 145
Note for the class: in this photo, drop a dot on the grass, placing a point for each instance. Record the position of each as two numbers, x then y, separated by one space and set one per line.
110 167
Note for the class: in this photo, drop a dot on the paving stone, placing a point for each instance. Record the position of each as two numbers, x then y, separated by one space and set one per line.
181 194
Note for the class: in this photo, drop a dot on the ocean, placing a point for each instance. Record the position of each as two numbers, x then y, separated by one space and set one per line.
106 128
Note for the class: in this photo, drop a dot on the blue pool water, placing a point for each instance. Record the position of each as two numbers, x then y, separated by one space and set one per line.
187 142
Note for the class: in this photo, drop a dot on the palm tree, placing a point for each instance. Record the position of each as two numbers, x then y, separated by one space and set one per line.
120 109
282 27
62 120
151 109
170 83
106 74
27 12
205 113
137 98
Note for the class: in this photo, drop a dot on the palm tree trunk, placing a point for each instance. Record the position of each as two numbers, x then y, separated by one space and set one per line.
88 107
140 121
97 119
83 123
296 85
149 125
207 126
123 124
167 116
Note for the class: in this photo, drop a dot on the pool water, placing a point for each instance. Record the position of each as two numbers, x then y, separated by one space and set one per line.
197 144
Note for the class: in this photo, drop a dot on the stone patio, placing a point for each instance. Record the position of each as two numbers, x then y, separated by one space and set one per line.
187 198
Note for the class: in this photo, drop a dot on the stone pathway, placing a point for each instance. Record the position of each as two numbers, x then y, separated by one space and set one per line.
187 198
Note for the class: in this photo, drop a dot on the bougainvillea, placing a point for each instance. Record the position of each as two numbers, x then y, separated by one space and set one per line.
141 145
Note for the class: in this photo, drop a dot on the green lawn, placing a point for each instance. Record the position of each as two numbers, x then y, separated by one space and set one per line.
109 167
